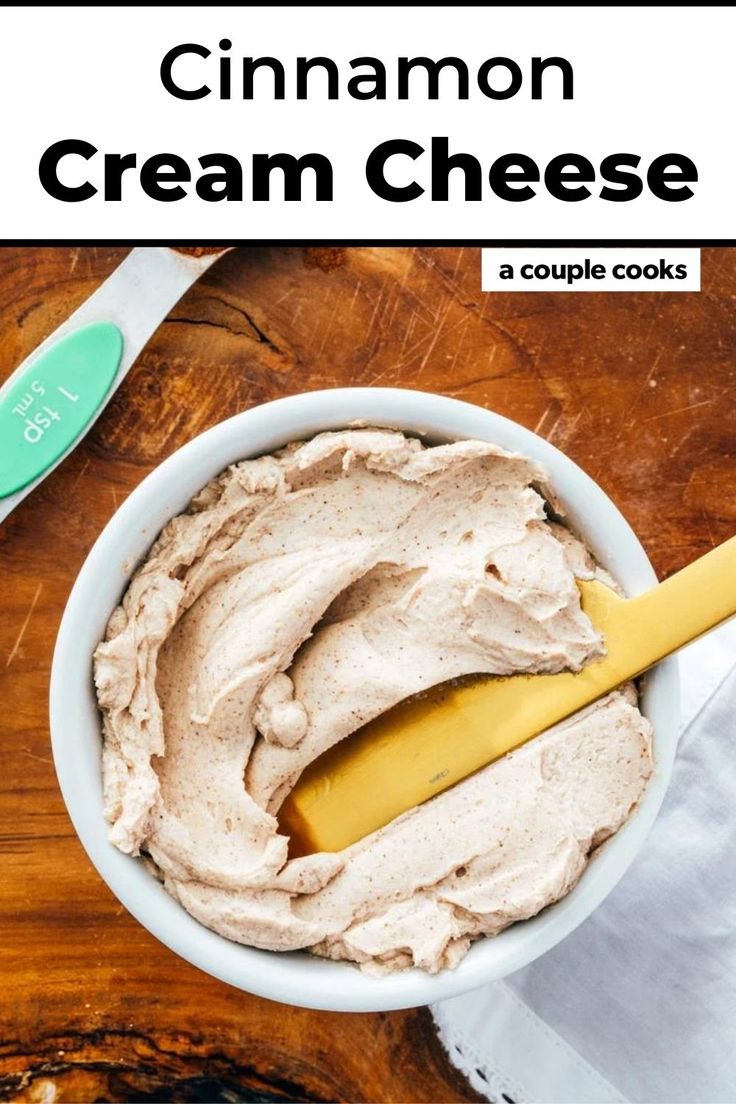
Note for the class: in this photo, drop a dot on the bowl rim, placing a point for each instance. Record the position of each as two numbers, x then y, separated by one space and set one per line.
298 978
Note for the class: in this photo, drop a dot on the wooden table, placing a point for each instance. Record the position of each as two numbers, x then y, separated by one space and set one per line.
640 389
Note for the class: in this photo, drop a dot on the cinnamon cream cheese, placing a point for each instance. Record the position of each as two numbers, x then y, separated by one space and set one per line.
299 596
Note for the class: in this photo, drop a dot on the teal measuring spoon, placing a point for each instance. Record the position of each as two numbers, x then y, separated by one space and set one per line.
58 392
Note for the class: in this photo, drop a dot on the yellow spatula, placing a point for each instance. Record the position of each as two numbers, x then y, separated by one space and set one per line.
425 745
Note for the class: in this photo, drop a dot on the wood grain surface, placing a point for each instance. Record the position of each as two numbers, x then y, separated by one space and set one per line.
640 389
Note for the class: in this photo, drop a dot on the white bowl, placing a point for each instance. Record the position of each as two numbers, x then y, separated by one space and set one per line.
300 978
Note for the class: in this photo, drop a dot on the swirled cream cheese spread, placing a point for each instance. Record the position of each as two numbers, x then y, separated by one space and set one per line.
300 595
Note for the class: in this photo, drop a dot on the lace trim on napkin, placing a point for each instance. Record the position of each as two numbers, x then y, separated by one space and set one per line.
482 1075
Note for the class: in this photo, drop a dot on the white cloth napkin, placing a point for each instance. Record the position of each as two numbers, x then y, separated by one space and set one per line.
639 1003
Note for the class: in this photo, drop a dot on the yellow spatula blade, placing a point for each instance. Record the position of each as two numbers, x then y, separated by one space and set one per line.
427 744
